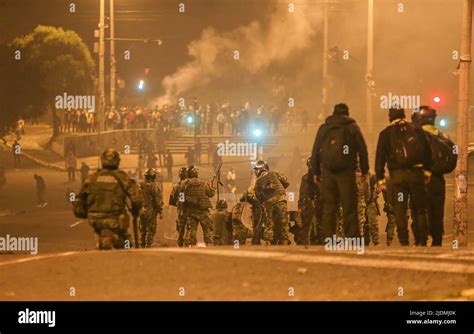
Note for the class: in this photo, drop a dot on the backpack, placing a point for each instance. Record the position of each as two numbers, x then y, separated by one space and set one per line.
336 151
405 147
444 158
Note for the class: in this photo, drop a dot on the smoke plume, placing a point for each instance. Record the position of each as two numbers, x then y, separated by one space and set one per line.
284 33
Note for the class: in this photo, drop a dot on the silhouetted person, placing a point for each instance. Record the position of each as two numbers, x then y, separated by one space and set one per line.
16 151
169 165
40 190
71 166
84 171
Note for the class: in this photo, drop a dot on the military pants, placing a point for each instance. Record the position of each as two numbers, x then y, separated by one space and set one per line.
338 188
194 218
436 195
371 225
240 232
111 232
258 219
361 212
147 227
408 185
180 227
276 225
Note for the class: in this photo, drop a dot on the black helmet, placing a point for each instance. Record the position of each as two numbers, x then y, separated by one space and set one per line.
260 166
424 115
183 173
396 112
110 159
221 204
192 171
150 174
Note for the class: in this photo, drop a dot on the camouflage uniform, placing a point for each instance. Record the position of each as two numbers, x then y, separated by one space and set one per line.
196 210
362 196
372 213
270 191
240 232
152 206
177 199
105 193
257 214
222 225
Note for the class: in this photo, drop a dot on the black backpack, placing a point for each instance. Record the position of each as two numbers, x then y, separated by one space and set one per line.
405 148
445 156
336 151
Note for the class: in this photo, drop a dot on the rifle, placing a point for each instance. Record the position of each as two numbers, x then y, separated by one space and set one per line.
217 177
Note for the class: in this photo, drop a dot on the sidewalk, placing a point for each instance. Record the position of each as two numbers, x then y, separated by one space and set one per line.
36 138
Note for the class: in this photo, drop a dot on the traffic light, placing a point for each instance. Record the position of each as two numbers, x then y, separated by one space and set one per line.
437 99
141 85
443 122
189 119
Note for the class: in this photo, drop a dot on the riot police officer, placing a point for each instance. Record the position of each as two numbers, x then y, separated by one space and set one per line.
177 200
197 194
152 206
270 191
104 194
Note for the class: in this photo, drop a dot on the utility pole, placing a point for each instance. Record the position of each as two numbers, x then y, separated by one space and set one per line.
325 59
112 56
101 67
461 185
370 68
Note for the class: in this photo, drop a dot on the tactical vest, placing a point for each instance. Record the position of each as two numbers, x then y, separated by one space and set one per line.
268 185
195 195
104 193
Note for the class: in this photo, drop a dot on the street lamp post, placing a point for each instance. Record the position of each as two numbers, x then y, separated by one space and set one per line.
461 186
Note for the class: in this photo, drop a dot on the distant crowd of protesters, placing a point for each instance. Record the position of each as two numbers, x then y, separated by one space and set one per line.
212 118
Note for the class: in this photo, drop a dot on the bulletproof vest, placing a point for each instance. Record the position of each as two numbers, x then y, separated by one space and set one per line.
151 193
268 185
105 194
195 195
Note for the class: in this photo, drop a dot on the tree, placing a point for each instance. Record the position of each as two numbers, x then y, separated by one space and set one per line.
52 61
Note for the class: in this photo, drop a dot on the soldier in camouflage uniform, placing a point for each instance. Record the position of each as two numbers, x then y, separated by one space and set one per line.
177 200
152 206
257 214
240 232
306 205
270 191
222 224
105 193
197 194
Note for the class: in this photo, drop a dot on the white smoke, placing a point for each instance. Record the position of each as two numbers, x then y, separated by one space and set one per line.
260 45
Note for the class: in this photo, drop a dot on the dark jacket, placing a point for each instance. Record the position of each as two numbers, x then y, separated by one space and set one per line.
384 156
356 143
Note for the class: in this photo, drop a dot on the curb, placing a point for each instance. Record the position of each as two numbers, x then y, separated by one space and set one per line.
39 162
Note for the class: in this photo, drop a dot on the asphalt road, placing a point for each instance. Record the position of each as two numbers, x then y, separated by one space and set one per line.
67 259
